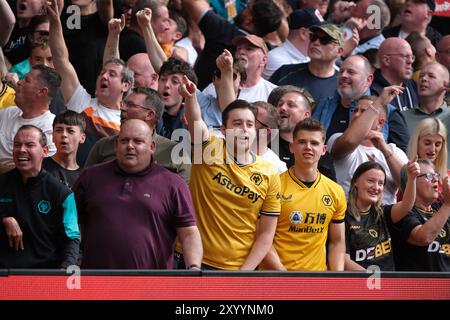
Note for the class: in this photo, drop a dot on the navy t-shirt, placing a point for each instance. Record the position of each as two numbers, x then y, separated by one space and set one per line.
300 76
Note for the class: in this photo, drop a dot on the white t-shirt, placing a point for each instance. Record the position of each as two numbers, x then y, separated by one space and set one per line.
287 53
10 122
275 160
259 92
192 53
346 167
100 121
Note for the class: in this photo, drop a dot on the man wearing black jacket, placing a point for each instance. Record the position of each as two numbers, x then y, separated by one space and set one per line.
38 213
396 59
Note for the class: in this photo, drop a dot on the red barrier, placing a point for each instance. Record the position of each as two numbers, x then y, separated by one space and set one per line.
137 287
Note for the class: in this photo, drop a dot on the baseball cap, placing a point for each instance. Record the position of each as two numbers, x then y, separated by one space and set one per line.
253 39
430 4
304 18
332 30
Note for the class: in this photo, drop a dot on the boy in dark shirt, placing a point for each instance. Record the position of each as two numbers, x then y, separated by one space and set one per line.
68 133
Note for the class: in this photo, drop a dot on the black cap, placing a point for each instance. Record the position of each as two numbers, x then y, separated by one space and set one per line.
430 4
304 18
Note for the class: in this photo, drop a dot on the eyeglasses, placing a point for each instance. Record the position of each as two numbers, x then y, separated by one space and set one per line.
323 40
130 104
430 176
218 74
262 124
408 57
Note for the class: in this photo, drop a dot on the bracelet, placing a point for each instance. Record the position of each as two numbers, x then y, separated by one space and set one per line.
192 266
390 155
374 109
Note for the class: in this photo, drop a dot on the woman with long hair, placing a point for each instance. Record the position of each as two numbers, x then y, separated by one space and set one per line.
368 221
429 142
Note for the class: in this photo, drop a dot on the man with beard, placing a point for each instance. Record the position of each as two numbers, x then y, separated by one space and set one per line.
354 79
318 76
252 51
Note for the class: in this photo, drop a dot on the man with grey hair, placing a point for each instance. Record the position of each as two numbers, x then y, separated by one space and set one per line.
146 105
33 96
102 113
432 81
354 80
318 76
295 48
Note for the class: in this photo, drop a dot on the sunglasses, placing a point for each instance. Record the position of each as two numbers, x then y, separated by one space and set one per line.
218 74
324 40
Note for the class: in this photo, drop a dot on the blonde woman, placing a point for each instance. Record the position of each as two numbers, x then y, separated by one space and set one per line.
429 141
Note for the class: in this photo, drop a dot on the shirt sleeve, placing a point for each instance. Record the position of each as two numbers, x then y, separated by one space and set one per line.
79 100
347 238
71 248
341 206
272 204
183 206
407 224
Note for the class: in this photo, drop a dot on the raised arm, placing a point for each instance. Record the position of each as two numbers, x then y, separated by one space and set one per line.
394 163
424 234
355 133
115 26
105 10
197 127
195 8
224 85
69 77
401 209
191 243
154 50
360 127
7 21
